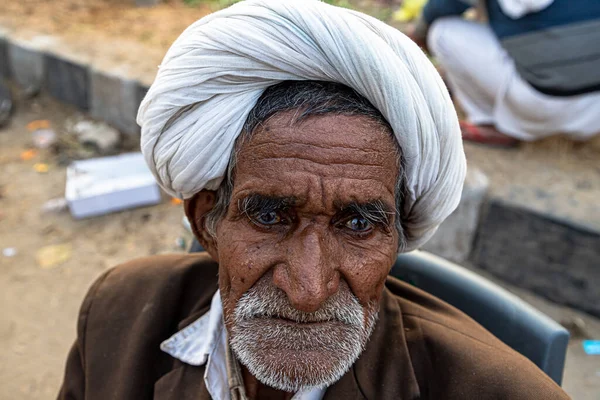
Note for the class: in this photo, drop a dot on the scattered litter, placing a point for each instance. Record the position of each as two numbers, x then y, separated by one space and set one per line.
103 185
51 256
38 124
9 252
28 154
175 201
591 347
67 149
186 224
180 243
55 205
101 137
41 168
409 11
43 138
576 327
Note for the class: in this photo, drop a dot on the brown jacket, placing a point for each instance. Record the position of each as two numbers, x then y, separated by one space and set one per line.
421 348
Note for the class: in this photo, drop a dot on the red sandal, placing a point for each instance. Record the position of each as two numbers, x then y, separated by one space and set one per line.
486 136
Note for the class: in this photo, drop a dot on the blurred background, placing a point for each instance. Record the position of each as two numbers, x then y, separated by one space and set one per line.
76 198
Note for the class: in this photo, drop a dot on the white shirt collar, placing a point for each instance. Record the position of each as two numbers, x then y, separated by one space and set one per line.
205 342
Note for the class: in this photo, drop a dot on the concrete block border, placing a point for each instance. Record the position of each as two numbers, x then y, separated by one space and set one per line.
141 92
454 238
556 259
107 95
67 81
4 65
26 67
114 100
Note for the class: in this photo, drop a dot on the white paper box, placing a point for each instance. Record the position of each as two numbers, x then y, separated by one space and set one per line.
103 185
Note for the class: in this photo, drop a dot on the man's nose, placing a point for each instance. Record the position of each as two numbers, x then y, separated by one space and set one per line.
310 275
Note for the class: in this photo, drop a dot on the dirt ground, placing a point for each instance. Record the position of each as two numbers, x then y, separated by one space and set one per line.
156 26
39 305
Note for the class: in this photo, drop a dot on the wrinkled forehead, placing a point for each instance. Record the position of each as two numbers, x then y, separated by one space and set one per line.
335 158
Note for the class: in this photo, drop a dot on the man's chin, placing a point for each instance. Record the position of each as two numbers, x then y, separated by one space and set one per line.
294 370
292 356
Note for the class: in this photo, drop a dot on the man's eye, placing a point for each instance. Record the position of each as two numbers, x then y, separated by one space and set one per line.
358 224
267 218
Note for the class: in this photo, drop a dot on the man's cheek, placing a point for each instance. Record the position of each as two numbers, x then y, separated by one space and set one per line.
242 264
366 276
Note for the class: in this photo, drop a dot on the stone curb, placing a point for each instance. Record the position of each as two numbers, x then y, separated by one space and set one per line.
114 99
106 95
4 65
454 238
26 67
556 259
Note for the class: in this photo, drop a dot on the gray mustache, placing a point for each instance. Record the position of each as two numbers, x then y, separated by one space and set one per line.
264 300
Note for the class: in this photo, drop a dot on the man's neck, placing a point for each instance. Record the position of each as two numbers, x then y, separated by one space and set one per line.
257 390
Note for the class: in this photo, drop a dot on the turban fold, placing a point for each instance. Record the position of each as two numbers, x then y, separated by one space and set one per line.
214 73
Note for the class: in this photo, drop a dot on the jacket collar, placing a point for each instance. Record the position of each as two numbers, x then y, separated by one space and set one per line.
197 341
383 371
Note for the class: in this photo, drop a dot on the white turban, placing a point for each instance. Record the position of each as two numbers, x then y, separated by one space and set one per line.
214 73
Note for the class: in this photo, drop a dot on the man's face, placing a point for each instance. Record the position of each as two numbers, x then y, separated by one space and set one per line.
306 245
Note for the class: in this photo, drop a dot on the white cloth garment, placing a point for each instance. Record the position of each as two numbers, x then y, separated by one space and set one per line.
484 80
204 341
519 8
213 74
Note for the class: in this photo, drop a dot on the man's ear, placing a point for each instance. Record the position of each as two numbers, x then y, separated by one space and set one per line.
196 209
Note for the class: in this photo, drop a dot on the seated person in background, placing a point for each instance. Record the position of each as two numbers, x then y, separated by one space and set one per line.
532 71
310 144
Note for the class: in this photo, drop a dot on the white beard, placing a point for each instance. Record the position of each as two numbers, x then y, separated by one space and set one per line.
269 338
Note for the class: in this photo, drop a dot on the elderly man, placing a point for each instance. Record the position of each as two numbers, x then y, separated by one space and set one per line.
310 144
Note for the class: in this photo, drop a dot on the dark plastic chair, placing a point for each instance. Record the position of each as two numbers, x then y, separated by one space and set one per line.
510 319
